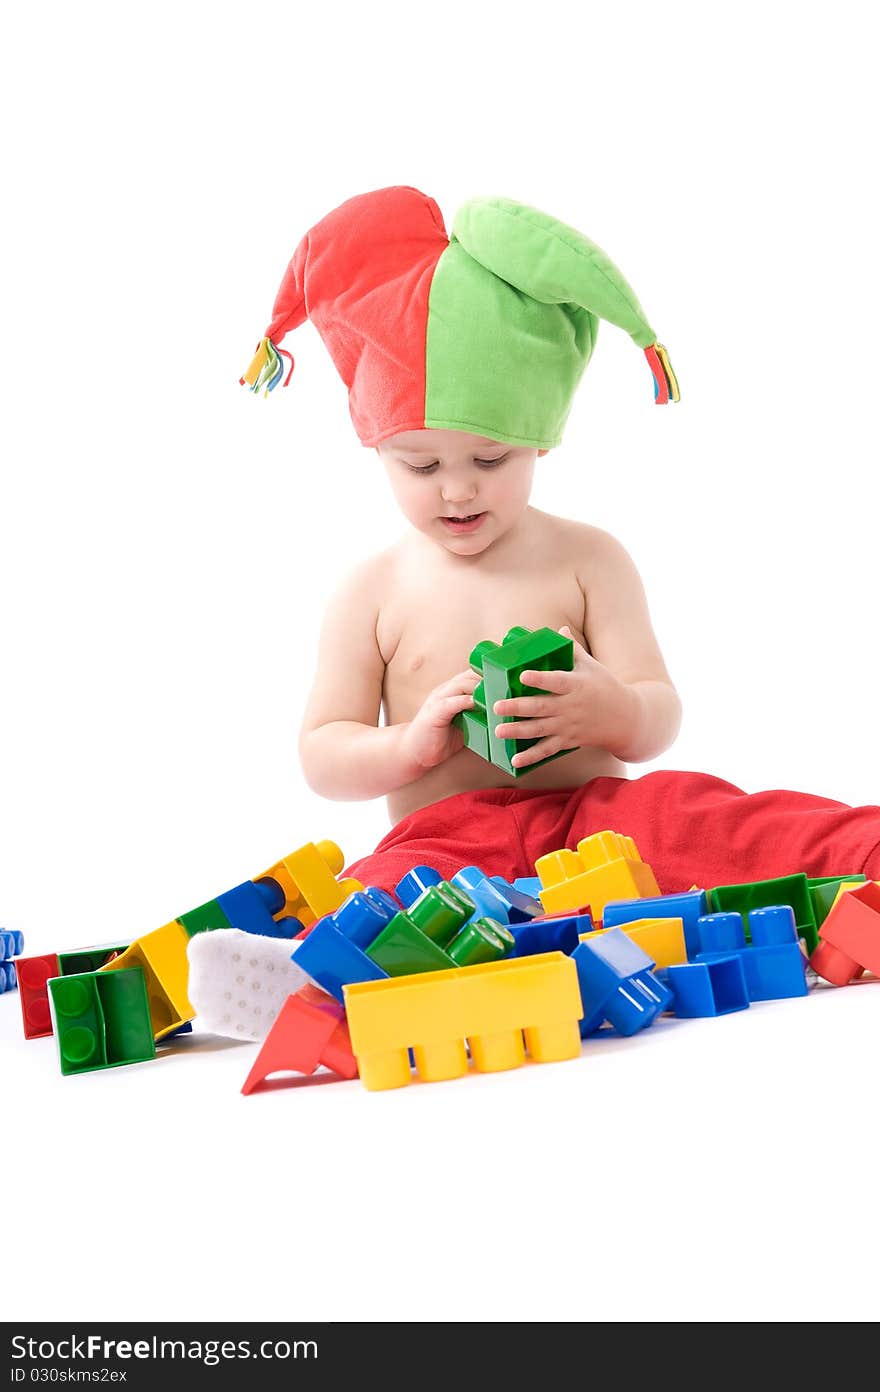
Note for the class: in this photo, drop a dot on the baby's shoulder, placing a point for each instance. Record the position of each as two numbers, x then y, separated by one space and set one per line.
581 542
366 577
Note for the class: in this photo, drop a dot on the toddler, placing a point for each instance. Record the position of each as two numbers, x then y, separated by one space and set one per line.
461 354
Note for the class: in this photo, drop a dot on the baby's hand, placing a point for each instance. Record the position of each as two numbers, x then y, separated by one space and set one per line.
587 706
430 736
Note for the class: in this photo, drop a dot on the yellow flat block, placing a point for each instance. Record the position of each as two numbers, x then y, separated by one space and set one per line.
500 1008
661 938
162 957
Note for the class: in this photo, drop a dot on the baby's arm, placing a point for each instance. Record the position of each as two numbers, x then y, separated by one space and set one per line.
619 631
345 754
621 698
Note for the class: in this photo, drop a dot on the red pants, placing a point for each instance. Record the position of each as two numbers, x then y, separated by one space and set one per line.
691 828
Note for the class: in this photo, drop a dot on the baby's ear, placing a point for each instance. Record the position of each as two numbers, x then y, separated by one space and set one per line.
541 453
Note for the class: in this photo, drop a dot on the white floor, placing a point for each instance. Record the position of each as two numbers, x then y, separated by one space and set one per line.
707 1169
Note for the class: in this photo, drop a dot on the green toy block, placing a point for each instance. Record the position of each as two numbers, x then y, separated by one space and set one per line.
501 666
101 1019
401 949
204 919
440 911
87 959
474 728
481 940
415 939
824 891
761 894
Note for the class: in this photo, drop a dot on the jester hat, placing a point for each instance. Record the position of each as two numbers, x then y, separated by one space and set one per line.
486 330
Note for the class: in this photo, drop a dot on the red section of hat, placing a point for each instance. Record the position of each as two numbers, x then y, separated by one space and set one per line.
363 276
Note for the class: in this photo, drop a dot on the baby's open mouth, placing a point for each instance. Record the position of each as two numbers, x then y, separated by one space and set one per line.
464 524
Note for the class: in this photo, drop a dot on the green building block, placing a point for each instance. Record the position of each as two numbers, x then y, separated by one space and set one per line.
501 666
481 940
824 891
87 959
761 894
440 911
101 1019
473 726
204 919
401 950
415 939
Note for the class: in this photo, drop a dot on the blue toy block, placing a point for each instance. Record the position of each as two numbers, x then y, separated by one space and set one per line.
617 984
716 986
11 943
185 1028
250 906
774 967
488 900
285 927
529 884
363 915
549 935
333 960
775 972
520 907
773 925
414 884
688 907
720 935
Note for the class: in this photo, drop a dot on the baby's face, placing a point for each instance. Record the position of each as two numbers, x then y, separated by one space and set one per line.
463 491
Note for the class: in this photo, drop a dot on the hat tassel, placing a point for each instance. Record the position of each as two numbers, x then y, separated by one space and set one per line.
266 368
665 381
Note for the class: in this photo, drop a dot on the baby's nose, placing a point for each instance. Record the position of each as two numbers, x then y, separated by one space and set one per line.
460 492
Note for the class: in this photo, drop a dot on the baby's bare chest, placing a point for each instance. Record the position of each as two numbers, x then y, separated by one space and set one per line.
428 629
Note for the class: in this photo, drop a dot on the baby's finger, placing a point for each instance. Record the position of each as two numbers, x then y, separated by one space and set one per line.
523 729
455 686
466 680
451 705
525 706
559 682
542 750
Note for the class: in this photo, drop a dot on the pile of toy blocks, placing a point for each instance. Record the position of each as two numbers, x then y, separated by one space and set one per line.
444 976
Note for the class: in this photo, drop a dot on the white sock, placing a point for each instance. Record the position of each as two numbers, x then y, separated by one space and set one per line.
239 981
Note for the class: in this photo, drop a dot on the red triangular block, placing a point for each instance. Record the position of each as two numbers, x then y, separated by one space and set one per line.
310 1029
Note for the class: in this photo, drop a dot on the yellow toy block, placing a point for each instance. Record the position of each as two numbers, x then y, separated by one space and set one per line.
661 938
162 957
605 866
491 1006
308 880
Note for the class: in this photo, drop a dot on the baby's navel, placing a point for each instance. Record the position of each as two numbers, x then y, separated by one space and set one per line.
416 663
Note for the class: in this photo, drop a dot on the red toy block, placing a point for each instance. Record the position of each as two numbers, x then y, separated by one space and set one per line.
33 973
310 1029
849 938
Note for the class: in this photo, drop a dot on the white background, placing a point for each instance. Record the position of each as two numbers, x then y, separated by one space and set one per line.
168 540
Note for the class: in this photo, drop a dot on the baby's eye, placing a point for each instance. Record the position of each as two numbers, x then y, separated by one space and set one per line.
422 468
491 463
